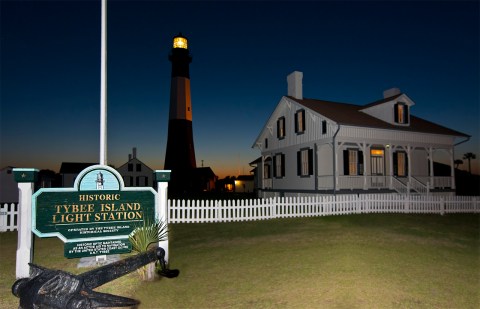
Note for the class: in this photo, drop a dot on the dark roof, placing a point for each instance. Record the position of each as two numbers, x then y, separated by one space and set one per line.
245 177
350 114
74 167
256 161
203 172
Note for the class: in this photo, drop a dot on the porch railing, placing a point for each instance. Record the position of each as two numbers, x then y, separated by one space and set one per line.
399 186
419 186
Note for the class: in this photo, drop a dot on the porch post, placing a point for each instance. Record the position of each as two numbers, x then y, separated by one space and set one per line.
432 172
364 151
409 148
390 166
452 168
26 178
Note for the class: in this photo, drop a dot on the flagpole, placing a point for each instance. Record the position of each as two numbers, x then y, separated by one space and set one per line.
103 88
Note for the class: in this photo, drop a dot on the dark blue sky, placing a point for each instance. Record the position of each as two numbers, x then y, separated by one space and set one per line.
242 52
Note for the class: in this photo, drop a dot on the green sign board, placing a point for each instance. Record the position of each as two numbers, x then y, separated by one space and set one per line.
94 217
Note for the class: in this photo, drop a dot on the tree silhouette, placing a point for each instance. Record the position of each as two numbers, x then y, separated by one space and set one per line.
469 156
457 163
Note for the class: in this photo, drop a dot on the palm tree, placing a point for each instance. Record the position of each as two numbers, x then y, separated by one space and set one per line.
457 163
469 156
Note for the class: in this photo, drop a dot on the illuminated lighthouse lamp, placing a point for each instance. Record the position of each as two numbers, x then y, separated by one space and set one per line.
180 42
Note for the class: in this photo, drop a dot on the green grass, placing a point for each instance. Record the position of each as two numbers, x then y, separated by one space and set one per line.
355 261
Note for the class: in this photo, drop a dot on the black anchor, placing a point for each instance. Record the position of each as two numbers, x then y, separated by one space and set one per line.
49 288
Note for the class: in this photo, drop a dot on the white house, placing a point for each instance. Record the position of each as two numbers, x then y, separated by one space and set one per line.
135 173
311 146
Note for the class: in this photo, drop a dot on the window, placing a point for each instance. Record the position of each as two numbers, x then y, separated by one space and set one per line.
300 121
281 127
305 162
267 168
400 164
324 127
352 162
139 167
266 171
377 161
279 165
401 114
130 167
266 143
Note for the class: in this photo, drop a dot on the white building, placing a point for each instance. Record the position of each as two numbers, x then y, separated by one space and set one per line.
135 173
311 146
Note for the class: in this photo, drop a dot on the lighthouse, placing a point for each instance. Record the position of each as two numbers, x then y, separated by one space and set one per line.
180 153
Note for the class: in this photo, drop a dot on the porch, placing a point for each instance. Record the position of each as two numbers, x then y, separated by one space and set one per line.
415 184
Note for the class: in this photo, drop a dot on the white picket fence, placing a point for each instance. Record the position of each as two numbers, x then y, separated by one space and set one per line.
198 211
8 216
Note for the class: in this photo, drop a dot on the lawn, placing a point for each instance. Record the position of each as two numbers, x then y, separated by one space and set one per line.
354 261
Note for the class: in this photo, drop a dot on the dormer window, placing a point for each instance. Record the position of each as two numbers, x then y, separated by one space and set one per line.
300 121
401 114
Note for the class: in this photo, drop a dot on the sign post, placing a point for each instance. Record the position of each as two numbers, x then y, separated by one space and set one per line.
26 178
163 177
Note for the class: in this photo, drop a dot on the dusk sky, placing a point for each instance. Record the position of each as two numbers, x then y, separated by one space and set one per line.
242 53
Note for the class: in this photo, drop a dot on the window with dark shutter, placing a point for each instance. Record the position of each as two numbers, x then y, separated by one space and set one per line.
310 162
300 121
360 163
305 162
345 163
401 114
352 162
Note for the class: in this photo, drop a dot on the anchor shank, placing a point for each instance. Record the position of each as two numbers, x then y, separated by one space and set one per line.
110 272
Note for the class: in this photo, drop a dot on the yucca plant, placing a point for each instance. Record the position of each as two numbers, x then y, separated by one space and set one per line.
145 236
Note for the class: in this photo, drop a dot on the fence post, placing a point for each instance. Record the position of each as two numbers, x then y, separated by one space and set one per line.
3 217
442 205
25 177
161 208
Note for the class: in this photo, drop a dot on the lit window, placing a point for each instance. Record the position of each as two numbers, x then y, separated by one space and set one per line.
401 113
352 162
281 127
400 164
305 162
300 121
377 162
376 152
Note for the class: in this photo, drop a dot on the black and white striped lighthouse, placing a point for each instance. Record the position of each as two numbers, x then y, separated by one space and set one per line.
180 154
